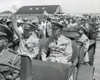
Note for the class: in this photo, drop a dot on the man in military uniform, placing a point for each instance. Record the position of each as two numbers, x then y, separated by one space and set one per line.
6 57
85 40
60 48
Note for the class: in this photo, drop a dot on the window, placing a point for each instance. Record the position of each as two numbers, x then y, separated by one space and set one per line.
43 7
37 8
30 8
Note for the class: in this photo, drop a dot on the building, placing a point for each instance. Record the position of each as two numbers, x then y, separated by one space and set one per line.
6 14
37 11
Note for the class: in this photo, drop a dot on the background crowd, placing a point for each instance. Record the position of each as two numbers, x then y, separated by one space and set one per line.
90 23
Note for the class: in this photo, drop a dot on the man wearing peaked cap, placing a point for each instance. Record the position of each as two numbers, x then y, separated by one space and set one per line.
85 40
60 49
5 36
6 57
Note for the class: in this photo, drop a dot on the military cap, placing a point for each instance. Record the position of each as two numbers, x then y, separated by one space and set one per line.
82 28
57 25
6 32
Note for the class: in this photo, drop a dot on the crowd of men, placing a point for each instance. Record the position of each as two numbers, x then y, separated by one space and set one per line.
23 36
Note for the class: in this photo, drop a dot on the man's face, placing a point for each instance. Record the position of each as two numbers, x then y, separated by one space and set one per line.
27 30
10 25
56 33
3 42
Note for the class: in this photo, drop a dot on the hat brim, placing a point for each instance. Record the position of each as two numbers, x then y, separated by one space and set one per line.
32 25
6 31
57 25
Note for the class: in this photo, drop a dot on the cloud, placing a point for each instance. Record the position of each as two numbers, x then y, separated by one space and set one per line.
7 4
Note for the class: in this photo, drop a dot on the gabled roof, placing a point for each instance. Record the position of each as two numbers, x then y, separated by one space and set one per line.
50 9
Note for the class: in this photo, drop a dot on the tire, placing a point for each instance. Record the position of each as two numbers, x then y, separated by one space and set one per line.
91 55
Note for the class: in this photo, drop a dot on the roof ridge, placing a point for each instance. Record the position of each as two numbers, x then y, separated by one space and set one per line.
40 5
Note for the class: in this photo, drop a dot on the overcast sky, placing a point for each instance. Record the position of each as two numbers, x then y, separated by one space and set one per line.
68 6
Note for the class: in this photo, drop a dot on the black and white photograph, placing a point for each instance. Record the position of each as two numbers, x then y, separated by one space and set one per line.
49 39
